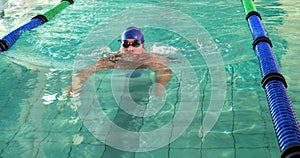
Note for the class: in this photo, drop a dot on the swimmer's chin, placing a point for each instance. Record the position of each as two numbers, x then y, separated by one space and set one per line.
133 52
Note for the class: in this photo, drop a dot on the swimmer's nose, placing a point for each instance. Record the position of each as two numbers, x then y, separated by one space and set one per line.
130 47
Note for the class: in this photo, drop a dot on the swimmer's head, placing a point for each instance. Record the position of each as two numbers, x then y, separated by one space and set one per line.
132 33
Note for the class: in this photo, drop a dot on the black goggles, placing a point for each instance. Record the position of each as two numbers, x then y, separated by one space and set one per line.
135 44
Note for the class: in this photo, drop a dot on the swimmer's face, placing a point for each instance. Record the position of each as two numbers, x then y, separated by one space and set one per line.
132 46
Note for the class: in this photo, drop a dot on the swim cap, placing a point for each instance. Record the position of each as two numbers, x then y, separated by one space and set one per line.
132 33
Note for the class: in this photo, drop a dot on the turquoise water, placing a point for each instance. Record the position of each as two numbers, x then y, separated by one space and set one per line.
38 120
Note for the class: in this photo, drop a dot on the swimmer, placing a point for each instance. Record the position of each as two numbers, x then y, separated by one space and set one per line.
131 55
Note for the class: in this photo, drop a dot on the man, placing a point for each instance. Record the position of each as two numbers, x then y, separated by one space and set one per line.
132 55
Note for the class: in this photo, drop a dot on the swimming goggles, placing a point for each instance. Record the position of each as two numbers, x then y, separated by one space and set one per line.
135 44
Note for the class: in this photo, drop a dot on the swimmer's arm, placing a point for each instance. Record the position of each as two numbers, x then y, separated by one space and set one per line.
163 75
81 76
99 66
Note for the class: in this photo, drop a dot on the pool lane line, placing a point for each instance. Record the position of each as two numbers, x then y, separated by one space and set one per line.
284 119
7 41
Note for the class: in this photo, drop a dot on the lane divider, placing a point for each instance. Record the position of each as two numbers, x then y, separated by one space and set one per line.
284 119
7 41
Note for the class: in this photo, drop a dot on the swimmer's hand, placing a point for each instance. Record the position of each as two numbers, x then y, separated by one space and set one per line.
158 90
78 79
72 91
75 88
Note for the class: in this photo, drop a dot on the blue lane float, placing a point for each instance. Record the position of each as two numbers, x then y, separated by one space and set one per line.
7 41
284 119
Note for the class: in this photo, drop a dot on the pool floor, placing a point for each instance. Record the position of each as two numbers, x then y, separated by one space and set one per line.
46 124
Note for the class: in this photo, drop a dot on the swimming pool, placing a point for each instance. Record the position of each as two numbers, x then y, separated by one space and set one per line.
38 120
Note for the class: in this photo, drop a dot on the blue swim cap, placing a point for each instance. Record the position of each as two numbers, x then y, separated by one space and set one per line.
132 33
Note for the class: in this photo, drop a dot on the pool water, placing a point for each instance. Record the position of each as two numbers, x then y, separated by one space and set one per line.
209 47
